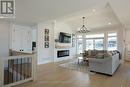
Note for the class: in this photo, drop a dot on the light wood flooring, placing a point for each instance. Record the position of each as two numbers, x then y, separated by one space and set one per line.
51 75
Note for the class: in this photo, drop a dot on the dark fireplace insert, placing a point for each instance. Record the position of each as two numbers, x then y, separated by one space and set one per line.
62 53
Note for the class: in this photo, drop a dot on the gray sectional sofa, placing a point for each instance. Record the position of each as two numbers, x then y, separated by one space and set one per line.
103 61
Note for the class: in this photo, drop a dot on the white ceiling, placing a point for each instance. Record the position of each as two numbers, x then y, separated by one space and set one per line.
34 11
122 11
101 17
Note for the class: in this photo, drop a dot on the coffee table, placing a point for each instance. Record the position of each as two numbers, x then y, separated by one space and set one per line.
83 59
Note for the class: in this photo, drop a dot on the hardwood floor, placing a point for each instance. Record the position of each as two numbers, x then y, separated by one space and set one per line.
51 75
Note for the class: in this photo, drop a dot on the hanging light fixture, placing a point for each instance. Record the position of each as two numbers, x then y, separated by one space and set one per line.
83 29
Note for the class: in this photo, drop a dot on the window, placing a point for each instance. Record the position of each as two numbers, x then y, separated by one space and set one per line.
112 41
89 44
95 41
99 44
95 36
79 36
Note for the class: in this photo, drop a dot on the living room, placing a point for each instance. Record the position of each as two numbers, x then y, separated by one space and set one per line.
59 44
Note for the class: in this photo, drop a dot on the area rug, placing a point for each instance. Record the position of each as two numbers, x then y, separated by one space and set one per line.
74 65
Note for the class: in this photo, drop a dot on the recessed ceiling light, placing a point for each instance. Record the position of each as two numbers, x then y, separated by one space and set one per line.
109 23
93 10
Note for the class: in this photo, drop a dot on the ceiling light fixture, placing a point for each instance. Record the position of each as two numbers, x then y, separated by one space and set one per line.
83 29
109 23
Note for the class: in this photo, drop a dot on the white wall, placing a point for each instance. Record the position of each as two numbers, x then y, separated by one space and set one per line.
127 44
63 27
4 38
127 36
4 42
120 8
45 55
34 35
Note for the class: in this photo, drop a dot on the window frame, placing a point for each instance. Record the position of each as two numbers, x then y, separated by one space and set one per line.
94 42
111 36
77 45
105 39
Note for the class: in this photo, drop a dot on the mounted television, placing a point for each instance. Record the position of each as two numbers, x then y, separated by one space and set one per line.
64 37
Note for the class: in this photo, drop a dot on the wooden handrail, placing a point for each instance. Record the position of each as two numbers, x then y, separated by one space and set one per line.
20 56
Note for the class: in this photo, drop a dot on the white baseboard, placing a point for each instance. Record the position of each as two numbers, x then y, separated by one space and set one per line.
44 62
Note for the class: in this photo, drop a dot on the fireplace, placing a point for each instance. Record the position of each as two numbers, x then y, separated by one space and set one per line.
62 53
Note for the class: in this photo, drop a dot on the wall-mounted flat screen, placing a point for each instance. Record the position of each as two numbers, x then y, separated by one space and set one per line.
64 37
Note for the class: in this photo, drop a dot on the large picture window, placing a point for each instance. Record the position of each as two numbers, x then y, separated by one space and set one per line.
99 44
95 41
89 44
101 41
112 41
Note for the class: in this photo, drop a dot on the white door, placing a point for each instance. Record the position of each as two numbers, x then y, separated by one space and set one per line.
22 39
16 40
27 41
127 44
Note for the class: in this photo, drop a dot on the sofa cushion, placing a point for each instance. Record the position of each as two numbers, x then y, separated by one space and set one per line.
94 52
91 53
104 54
100 56
107 55
113 52
99 53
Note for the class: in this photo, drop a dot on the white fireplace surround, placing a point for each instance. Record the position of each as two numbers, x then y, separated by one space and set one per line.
62 45
63 53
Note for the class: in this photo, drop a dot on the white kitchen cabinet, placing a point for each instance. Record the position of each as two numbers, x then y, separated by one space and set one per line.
22 39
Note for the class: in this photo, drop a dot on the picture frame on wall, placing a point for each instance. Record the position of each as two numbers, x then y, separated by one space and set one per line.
47 31
46 44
